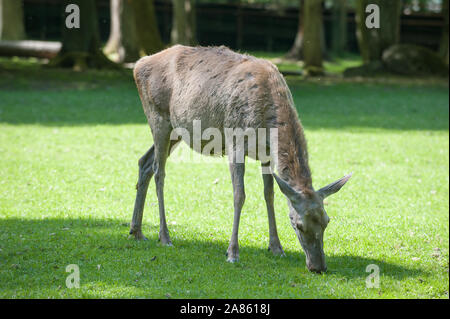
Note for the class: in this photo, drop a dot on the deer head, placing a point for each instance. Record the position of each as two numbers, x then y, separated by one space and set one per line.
309 219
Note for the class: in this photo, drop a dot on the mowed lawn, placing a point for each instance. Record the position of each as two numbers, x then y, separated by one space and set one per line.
69 145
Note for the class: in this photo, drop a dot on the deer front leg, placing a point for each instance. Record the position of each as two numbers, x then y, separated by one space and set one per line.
145 175
162 145
237 177
274 241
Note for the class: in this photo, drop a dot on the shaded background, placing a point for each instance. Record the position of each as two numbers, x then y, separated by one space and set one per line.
312 31
261 27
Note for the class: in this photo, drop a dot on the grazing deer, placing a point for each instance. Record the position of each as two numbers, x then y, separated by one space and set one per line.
225 89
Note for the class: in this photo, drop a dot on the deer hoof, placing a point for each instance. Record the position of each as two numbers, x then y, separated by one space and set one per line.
277 250
138 235
165 241
232 258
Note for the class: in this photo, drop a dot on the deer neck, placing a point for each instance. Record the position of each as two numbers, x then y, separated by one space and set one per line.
292 163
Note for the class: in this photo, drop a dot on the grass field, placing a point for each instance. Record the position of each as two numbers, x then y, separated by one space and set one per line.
69 145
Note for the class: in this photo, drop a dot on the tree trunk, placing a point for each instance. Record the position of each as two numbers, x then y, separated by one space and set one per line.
312 37
367 38
296 52
123 41
443 50
239 25
184 22
11 20
390 17
81 46
339 39
147 26
372 42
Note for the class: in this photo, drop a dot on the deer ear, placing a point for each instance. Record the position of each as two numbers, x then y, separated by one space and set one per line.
333 187
286 188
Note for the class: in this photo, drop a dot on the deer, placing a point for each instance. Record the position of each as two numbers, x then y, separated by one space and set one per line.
223 88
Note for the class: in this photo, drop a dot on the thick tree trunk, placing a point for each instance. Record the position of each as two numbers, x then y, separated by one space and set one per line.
239 25
372 42
443 50
81 46
390 17
123 41
312 37
367 38
296 52
11 20
147 26
184 22
339 39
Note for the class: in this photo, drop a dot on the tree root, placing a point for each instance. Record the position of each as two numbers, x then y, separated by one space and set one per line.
80 61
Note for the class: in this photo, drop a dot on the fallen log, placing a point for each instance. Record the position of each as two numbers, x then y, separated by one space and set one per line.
30 48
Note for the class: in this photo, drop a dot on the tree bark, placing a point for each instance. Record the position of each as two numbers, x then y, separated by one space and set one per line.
184 22
339 39
443 49
147 26
11 20
296 52
372 42
312 37
123 41
390 17
81 46
239 25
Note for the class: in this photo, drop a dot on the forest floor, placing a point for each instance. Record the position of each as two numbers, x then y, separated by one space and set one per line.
69 145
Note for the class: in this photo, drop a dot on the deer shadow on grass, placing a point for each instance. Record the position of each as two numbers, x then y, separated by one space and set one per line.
41 249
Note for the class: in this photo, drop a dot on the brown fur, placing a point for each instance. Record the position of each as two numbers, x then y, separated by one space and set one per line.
292 148
225 89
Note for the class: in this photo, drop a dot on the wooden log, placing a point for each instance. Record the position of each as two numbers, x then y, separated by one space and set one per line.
30 48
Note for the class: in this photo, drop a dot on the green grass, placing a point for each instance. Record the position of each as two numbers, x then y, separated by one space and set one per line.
334 65
69 145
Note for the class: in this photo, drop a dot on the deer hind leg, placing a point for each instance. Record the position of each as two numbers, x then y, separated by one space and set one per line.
145 175
274 241
237 171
